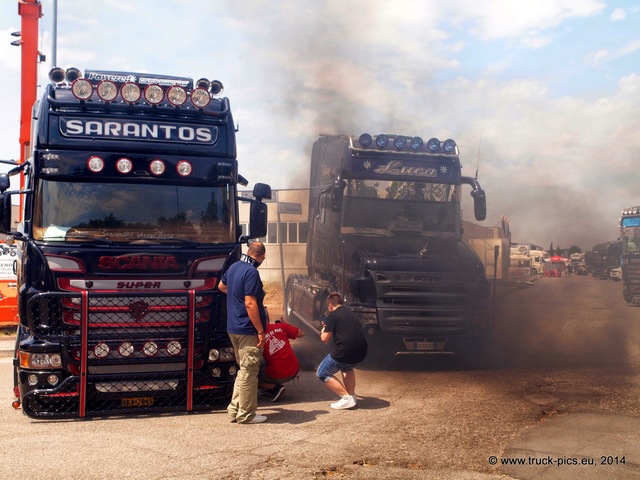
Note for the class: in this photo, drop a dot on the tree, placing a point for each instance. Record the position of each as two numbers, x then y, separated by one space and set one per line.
574 249
551 251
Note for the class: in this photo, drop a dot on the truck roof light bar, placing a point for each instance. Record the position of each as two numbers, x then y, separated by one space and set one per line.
401 142
132 87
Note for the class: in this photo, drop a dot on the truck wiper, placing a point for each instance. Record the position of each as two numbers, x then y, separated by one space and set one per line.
165 240
104 241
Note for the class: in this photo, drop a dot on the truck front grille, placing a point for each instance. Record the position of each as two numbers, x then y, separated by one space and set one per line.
432 304
124 353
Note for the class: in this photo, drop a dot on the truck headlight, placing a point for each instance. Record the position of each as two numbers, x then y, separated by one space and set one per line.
40 361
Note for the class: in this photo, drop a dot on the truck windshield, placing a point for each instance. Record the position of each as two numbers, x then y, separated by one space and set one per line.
631 239
125 213
400 206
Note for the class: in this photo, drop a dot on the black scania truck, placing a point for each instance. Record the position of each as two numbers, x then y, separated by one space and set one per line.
129 217
386 232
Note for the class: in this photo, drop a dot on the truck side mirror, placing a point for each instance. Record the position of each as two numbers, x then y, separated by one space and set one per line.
479 204
337 194
262 191
257 219
5 182
5 213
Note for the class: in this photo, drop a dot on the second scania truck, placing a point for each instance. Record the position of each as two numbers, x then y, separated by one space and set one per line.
386 232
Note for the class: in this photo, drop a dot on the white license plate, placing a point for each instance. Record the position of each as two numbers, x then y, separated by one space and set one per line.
422 346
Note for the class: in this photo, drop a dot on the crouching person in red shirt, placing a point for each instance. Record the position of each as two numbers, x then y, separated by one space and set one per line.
279 362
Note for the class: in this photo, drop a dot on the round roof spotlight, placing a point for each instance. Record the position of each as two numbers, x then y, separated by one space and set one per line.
82 89
95 164
72 74
176 95
382 141
449 146
130 92
107 90
416 143
433 144
153 94
157 167
200 97
184 168
400 142
124 165
203 83
365 140
216 87
56 75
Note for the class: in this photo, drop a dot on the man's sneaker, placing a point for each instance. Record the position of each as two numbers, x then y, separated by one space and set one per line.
276 392
345 402
257 419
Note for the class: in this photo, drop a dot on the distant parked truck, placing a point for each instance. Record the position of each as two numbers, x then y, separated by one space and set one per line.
519 266
630 255
537 261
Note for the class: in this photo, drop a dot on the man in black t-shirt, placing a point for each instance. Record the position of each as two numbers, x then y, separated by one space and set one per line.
349 348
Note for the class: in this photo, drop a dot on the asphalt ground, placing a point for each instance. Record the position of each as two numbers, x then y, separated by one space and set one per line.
589 444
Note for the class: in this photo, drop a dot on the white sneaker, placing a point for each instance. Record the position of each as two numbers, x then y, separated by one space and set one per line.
347 401
257 419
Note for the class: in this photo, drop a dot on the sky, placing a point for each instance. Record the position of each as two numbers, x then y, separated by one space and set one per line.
541 96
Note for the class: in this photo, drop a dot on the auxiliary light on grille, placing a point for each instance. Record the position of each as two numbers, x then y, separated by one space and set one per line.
126 349
150 349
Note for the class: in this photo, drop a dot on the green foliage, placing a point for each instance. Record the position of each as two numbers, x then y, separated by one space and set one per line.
574 249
